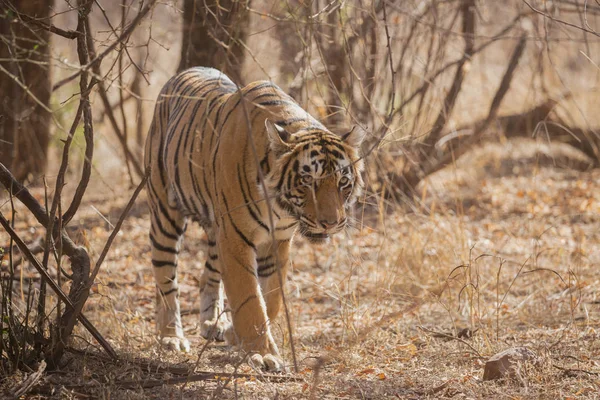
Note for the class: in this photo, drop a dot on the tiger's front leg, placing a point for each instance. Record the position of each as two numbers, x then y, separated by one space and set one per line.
271 261
249 313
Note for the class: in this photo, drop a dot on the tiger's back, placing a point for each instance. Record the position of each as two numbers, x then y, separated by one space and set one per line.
252 167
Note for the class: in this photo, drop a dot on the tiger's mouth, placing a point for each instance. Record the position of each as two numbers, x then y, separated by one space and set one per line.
318 236
314 237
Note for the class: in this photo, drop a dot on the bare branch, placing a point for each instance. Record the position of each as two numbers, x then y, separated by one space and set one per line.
560 21
124 35
67 34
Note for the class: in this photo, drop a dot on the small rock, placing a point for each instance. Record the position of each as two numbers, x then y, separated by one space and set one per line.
506 363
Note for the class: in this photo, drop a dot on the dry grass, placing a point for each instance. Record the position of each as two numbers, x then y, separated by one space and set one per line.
510 254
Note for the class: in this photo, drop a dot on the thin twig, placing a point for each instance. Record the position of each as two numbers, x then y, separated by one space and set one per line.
451 337
108 109
117 228
592 373
560 21
67 34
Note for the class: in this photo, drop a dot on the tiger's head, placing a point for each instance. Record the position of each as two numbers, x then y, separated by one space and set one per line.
317 178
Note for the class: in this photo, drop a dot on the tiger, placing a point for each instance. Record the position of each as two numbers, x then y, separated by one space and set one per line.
252 167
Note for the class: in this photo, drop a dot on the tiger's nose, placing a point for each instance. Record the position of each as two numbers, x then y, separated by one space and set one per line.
328 224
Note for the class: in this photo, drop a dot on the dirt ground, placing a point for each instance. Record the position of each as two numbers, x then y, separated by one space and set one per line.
409 303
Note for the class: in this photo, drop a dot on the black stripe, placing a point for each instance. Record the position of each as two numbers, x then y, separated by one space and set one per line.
211 305
215 131
265 266
284 228
213 256
206 185
187 93
228 114
253 296
265 165
209 267
265 273
157 224
260 96
195 183
182 138
336 154
168 292
237 230
262 85
164 212
283 172
160 264
212 283
276 103
160 247
249 204
284 206
290 121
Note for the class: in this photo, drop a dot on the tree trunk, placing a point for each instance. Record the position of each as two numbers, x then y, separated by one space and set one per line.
213 35
24 119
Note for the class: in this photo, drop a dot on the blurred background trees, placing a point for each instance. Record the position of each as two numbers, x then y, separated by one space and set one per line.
214 34
24 87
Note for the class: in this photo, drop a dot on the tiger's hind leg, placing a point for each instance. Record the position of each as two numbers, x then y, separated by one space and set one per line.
213 321
167 227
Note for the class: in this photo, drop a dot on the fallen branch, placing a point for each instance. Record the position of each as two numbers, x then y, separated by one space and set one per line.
425 167
24 387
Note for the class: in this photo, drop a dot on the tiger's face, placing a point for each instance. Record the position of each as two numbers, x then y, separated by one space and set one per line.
320 178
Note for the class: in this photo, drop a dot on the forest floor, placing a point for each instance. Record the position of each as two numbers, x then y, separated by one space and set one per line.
511 253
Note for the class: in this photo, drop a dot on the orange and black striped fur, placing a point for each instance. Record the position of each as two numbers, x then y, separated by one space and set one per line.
212 146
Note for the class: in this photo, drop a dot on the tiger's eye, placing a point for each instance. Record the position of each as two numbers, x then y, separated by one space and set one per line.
306 180
344 181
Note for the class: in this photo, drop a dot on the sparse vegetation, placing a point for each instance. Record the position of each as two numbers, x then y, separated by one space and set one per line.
479 231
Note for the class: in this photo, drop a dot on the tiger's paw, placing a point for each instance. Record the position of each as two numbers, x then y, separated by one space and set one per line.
268 362
175 343
231 337
215 330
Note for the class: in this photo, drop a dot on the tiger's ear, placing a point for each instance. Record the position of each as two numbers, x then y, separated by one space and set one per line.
355 137
278 137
